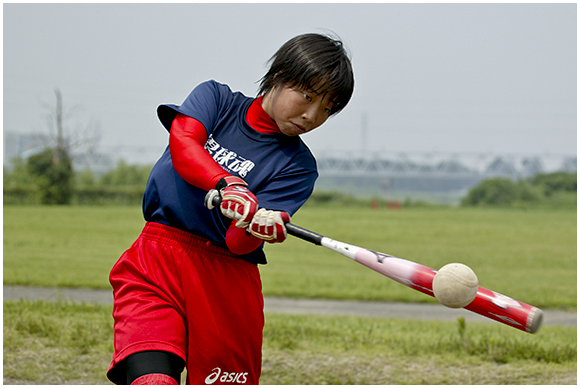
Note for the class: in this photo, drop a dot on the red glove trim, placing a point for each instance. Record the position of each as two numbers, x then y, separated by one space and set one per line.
240 204
269 225
230 181
191 161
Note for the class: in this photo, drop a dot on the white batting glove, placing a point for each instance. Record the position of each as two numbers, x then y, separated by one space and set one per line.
269 225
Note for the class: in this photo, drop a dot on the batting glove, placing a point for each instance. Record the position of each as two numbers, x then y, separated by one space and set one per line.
269 225
238 203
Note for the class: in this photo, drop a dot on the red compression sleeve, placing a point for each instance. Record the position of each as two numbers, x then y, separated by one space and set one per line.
194 164
240 242
191 161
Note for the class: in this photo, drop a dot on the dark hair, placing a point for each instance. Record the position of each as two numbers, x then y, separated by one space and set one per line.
313 62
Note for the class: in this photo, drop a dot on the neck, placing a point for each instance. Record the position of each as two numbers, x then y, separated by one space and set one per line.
259 119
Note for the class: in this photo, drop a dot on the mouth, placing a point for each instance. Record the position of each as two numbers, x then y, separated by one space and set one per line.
299 128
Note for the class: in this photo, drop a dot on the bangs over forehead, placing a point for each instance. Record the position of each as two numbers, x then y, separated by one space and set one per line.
315 63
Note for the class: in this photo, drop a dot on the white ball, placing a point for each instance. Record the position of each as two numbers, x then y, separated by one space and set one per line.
455 285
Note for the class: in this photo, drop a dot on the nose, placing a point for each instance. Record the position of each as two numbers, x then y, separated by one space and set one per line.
311 113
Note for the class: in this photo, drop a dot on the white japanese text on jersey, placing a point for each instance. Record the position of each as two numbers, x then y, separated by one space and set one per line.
228 159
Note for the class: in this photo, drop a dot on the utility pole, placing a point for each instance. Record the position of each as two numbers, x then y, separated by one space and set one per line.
59 150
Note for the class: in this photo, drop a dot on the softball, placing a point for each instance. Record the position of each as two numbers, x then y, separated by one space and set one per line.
455 285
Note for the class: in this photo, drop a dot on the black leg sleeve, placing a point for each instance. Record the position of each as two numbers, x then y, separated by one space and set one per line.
144 363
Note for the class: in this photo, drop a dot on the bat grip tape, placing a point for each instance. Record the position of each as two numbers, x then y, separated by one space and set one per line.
304 234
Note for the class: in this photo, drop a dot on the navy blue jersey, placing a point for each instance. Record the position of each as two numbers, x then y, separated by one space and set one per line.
279 170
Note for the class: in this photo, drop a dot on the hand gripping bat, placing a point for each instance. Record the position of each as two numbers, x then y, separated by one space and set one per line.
488 303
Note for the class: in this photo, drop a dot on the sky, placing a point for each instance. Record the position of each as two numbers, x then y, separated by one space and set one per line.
456 78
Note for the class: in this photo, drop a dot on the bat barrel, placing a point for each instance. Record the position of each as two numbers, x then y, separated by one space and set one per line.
506 310
487 303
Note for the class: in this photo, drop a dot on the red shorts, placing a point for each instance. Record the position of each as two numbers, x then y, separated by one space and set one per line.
176 292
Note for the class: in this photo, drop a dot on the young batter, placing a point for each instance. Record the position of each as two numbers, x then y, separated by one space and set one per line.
188 291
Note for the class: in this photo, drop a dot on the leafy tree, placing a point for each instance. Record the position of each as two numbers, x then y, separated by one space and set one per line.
19 176
54 176
126 175
554 182
500 192
497 191
554 189
85 178
52 168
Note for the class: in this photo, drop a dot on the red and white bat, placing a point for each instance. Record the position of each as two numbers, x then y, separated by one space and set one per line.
419 277
488 303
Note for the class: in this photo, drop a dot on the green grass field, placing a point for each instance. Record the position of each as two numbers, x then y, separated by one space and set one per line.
529 255
66 343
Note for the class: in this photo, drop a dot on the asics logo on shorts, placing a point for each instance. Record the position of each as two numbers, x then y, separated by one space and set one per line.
225 377
229 160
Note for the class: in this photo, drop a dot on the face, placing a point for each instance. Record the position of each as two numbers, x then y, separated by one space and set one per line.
297 111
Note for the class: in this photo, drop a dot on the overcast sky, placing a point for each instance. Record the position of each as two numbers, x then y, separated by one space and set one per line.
429 77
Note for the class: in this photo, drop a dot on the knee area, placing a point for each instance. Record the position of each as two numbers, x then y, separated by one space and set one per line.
153 368
155 379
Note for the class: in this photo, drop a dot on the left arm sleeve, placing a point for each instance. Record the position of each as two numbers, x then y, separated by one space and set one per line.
240 242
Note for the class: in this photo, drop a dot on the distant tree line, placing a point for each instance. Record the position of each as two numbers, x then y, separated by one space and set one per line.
42 179
48 178
553 189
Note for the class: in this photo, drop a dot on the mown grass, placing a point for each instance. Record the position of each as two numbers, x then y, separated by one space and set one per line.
66 246
333 350
56 343
529 255
71 343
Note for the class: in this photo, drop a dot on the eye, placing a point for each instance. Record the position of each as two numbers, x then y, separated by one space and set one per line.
307 97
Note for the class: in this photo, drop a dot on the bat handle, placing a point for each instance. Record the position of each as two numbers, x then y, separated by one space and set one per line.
213 199
304 234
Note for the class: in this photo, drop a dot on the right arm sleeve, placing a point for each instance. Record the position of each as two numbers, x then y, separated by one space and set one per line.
189 157
197 167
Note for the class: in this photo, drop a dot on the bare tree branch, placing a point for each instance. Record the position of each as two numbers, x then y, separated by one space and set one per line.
67 135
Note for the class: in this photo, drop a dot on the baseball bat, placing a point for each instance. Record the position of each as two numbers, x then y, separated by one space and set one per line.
487 303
